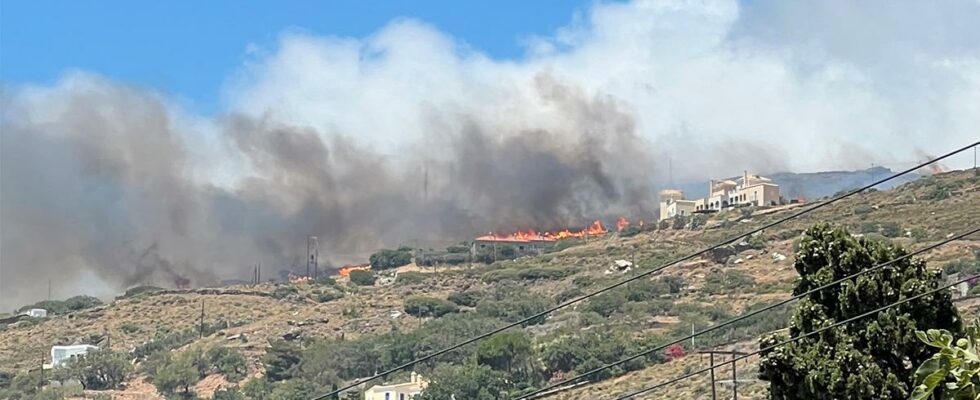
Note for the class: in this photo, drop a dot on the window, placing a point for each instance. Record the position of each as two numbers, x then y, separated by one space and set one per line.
401 396
387 396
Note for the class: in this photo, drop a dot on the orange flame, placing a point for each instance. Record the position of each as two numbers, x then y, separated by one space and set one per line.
531 235
346 270
595 229
621 224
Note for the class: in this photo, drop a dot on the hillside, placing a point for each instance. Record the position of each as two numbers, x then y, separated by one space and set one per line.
699 293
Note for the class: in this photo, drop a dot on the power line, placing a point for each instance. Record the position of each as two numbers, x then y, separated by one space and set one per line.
626 281
808 334
538 393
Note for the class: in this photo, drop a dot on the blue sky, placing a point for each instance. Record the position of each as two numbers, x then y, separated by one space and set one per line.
187 49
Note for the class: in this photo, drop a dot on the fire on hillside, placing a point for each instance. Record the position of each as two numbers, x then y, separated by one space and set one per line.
531 235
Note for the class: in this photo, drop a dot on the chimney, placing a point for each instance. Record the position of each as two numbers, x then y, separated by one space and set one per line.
414 378
745 178
711 187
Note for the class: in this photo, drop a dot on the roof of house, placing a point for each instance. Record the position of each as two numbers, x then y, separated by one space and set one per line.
376 388
490 238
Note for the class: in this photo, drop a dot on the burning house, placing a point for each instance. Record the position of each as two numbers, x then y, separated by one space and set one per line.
531 242
524 243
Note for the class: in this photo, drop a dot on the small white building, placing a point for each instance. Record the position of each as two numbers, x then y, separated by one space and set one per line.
37 313
672 204
397 391
61 354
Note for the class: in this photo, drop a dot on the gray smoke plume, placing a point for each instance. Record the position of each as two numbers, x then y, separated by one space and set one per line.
98 178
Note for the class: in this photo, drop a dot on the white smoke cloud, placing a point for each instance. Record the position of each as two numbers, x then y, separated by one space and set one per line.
717 85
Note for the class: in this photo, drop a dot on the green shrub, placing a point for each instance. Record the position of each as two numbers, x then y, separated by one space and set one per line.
329 295
458 249
387 259
891 229
501 275
756 242
528 274
564 244
281 292
326 281
587 350
99 370
129 328
228 394
422 307
606 303
919 234
514 307
679 222
228 362
583 281
727 281
862 209
939 192
362 278
177 373
629 231
465 298
547 273
698 221
967 267
410 278
281 360
568 294
138 290
868 227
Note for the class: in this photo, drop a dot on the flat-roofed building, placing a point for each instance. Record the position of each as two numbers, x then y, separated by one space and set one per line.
397 391
61 354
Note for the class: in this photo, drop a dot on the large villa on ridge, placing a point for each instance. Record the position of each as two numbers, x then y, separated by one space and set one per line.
749 190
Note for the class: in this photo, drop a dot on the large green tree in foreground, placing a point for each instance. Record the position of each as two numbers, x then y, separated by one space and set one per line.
874 357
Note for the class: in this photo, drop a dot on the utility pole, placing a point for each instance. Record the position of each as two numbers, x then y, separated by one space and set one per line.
41 369
734 354
202 319
49 288
714 394
312 255
734 379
